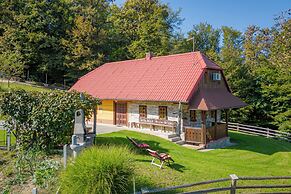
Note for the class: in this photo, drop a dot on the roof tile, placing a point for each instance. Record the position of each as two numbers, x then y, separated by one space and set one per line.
165 78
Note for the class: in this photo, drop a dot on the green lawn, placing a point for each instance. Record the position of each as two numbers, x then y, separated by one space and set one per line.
4 87
3 138
252 156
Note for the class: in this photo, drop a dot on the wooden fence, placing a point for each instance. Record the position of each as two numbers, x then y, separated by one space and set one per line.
266 132
232 188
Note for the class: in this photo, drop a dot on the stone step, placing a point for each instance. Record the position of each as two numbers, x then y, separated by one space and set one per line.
175 139
172 135
181 142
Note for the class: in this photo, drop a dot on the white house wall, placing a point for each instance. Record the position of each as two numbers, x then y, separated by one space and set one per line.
152 110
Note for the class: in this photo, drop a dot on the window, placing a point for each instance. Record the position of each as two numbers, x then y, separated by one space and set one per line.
192 115
162 112
142 111
216 76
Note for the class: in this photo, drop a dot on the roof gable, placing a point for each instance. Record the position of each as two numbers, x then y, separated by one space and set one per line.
166 78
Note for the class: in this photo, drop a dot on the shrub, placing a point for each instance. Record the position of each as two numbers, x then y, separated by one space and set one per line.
23 166
99 170
42 120
45 172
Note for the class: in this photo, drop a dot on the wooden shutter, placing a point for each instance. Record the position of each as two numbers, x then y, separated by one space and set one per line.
142 111
163 112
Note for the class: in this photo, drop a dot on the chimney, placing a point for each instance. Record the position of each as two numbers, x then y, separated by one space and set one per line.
149 55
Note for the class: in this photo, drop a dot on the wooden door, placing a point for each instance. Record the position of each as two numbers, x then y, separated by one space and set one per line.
121 113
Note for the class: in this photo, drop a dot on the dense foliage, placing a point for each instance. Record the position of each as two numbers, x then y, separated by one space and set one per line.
40 119
101 170
60 40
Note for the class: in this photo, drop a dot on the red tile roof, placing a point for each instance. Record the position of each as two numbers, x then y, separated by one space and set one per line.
214 99
165 78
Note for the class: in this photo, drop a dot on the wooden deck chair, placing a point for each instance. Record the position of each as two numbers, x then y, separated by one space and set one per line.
138 145
163 157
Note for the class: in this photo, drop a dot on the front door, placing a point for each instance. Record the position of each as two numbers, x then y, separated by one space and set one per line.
121 113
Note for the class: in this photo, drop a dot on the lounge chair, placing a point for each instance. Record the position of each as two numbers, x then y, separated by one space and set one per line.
138 145
163 157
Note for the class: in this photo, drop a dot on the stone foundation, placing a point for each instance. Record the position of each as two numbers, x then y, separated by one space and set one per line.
220 143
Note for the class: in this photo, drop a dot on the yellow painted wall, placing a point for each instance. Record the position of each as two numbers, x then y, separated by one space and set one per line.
105 112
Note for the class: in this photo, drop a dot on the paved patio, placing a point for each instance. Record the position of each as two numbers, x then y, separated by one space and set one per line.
103 128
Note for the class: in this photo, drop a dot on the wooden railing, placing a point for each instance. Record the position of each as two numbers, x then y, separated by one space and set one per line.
216 132
232 188
157 122
193 135
266 132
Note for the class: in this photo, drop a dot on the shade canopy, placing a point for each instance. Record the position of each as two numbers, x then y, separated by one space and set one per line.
214 99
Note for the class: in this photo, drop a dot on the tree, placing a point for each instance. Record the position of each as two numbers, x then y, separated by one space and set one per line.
34 30
278 90
87 38
206 40
236 71
142 26
11 65
43 120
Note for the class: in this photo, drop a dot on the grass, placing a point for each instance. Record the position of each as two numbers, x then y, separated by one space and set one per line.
13 85
3 138
252 156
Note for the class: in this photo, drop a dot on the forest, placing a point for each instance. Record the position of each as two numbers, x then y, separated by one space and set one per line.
57 41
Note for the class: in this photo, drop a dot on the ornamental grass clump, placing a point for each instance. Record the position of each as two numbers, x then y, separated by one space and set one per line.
101 170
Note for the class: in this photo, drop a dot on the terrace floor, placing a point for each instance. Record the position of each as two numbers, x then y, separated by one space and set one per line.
105 128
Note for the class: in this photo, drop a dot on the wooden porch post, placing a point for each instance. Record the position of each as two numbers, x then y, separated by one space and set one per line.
180 120
226 121
94 119
203 122
215 124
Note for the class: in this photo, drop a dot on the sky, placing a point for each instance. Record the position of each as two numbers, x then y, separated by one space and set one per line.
238 14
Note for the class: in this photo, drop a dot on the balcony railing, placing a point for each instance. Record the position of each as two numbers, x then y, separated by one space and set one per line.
196 135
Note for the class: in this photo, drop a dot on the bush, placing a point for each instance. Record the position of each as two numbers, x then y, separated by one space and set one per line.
99 170
42 120
45 172
22 166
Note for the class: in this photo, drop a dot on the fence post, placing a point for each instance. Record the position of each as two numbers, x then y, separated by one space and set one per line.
65 149
8 139
34 191
234 178
237 127
133 185
268 133
74 142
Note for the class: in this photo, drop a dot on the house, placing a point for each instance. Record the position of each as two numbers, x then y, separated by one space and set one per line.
185 94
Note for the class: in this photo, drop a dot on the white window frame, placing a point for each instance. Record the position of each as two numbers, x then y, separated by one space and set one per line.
216 76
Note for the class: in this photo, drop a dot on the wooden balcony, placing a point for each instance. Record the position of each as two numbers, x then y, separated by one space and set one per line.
199 136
